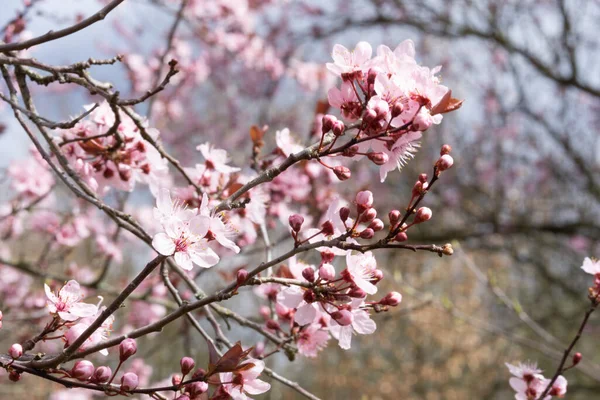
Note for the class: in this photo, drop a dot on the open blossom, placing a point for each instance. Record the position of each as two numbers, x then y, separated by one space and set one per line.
67 304
311 340
246 380
361 323
346 61
398 152
361 268
286 143
529 383
217 229
184 240
216 159
30 177
591 266
98 336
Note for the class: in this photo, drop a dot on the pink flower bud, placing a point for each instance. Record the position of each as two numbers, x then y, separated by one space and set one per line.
342 317
327 228
129 381
259 350
14 376
357 293
368 215
338 128
376 225
296 222
183 397
309 274
282 311
82 370
328 121
187 365
419 188
176 380
377 276
444 162
423 178
241 276
327 272
15 351
423 214
273 325
127 348
397 108
327 256
350 151
197 388
577 358
446 149
309 296
422 120
102 374
199 374
401 237
378 158
391 299
367 234
342 173
344 213
364 200
264 312
394 217
370 116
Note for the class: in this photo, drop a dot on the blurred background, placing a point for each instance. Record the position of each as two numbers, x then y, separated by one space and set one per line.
520 206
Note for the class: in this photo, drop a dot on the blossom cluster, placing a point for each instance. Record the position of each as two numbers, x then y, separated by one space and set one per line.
529 383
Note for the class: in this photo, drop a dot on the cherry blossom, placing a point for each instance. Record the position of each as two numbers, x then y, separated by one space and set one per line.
98 336
245 381
346 61
286 143
360 270
591 266
67 304
311 340
361 323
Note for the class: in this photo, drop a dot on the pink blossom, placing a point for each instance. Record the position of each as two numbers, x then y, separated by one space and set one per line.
98 336
30 178
346 61
345 100
245 381
217 229
67 304
216 159
399 152
311 340
361 324
361 268
591 266
286 143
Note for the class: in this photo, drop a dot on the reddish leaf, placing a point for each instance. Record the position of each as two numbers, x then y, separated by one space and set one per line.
446 104
230 360
256 134
322 107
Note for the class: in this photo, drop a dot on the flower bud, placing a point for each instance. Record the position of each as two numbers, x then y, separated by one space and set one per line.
342 317
327 272
102 374
423 214
309 274
327 228
401 237
370 116
394 217
377 276
259 350
357 293
195 389
577 358
129 381
342 173
296 222
423 178
15 351
127 348
397 108
309 296
176 380
444 162
391 299
364 201
446 149
187 365
350 151
338 128
199 374
241 276
367 234
273 325
422 120
328 121
14 376
376 225
183 397
368 215
344 213
82 370
264 312
378 157
447 249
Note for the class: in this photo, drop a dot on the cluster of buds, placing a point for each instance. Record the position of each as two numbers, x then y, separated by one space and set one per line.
445 161
194 389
